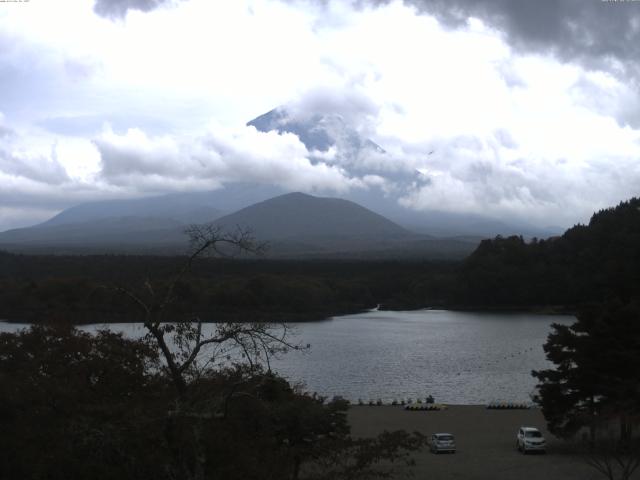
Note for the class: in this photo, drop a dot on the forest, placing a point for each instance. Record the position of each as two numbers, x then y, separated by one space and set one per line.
84 289
588 263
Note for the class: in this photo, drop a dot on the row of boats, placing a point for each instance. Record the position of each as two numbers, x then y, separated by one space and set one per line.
508 406
425 407
378 403
430 405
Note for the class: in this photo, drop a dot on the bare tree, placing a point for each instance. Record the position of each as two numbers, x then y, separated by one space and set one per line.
187 349
613 460
614 455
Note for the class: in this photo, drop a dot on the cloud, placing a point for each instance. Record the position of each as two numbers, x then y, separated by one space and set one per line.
119 8
19 161
491 178
218 156
354 106
596 33
507 108
41 175
39 168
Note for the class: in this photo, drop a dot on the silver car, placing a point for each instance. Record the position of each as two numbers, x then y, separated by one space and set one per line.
529 439
442 442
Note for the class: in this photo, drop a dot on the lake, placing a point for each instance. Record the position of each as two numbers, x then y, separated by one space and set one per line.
458 357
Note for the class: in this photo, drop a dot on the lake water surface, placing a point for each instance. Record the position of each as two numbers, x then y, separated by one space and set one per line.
458 357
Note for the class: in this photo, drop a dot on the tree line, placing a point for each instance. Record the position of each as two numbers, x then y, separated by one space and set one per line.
588 263
72 289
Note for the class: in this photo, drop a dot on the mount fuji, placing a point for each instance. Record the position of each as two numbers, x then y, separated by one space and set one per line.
157 222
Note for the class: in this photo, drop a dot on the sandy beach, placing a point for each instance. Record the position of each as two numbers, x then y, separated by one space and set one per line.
485 441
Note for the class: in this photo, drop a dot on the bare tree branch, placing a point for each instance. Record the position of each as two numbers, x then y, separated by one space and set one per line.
614 459
182 342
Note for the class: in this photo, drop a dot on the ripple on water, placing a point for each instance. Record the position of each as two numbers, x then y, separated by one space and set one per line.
458 357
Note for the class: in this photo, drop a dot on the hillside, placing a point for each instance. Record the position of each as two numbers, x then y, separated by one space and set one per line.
591 262
153 224
297 215
101 232
182 208
186 208
295 225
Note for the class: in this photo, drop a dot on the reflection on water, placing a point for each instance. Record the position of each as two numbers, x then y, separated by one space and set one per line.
458 357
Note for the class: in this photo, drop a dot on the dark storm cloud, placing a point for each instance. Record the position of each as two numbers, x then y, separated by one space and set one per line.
597 33
119 8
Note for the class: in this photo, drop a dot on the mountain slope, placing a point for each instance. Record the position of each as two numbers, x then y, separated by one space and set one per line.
132 224
186 208
106 232
297 215
295 225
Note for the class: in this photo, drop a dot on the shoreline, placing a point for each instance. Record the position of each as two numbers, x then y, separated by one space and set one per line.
537 309
310 317
223 317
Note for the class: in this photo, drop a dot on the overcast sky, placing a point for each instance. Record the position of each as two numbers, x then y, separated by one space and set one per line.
531 108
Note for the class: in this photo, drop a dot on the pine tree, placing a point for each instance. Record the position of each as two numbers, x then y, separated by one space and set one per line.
596 380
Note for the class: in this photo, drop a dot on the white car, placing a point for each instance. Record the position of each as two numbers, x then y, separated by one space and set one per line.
442 442
530 439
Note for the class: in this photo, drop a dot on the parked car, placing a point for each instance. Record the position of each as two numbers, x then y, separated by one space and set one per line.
530 439
442 442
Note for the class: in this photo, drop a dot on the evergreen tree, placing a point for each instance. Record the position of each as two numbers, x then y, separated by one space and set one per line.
595 380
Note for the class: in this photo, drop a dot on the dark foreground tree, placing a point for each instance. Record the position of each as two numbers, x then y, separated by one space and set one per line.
594 389
596 375
190 351
194 354
75 406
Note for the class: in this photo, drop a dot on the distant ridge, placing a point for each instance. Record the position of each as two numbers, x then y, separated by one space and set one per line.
185 208
104 234
298 215
295 225
177 208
